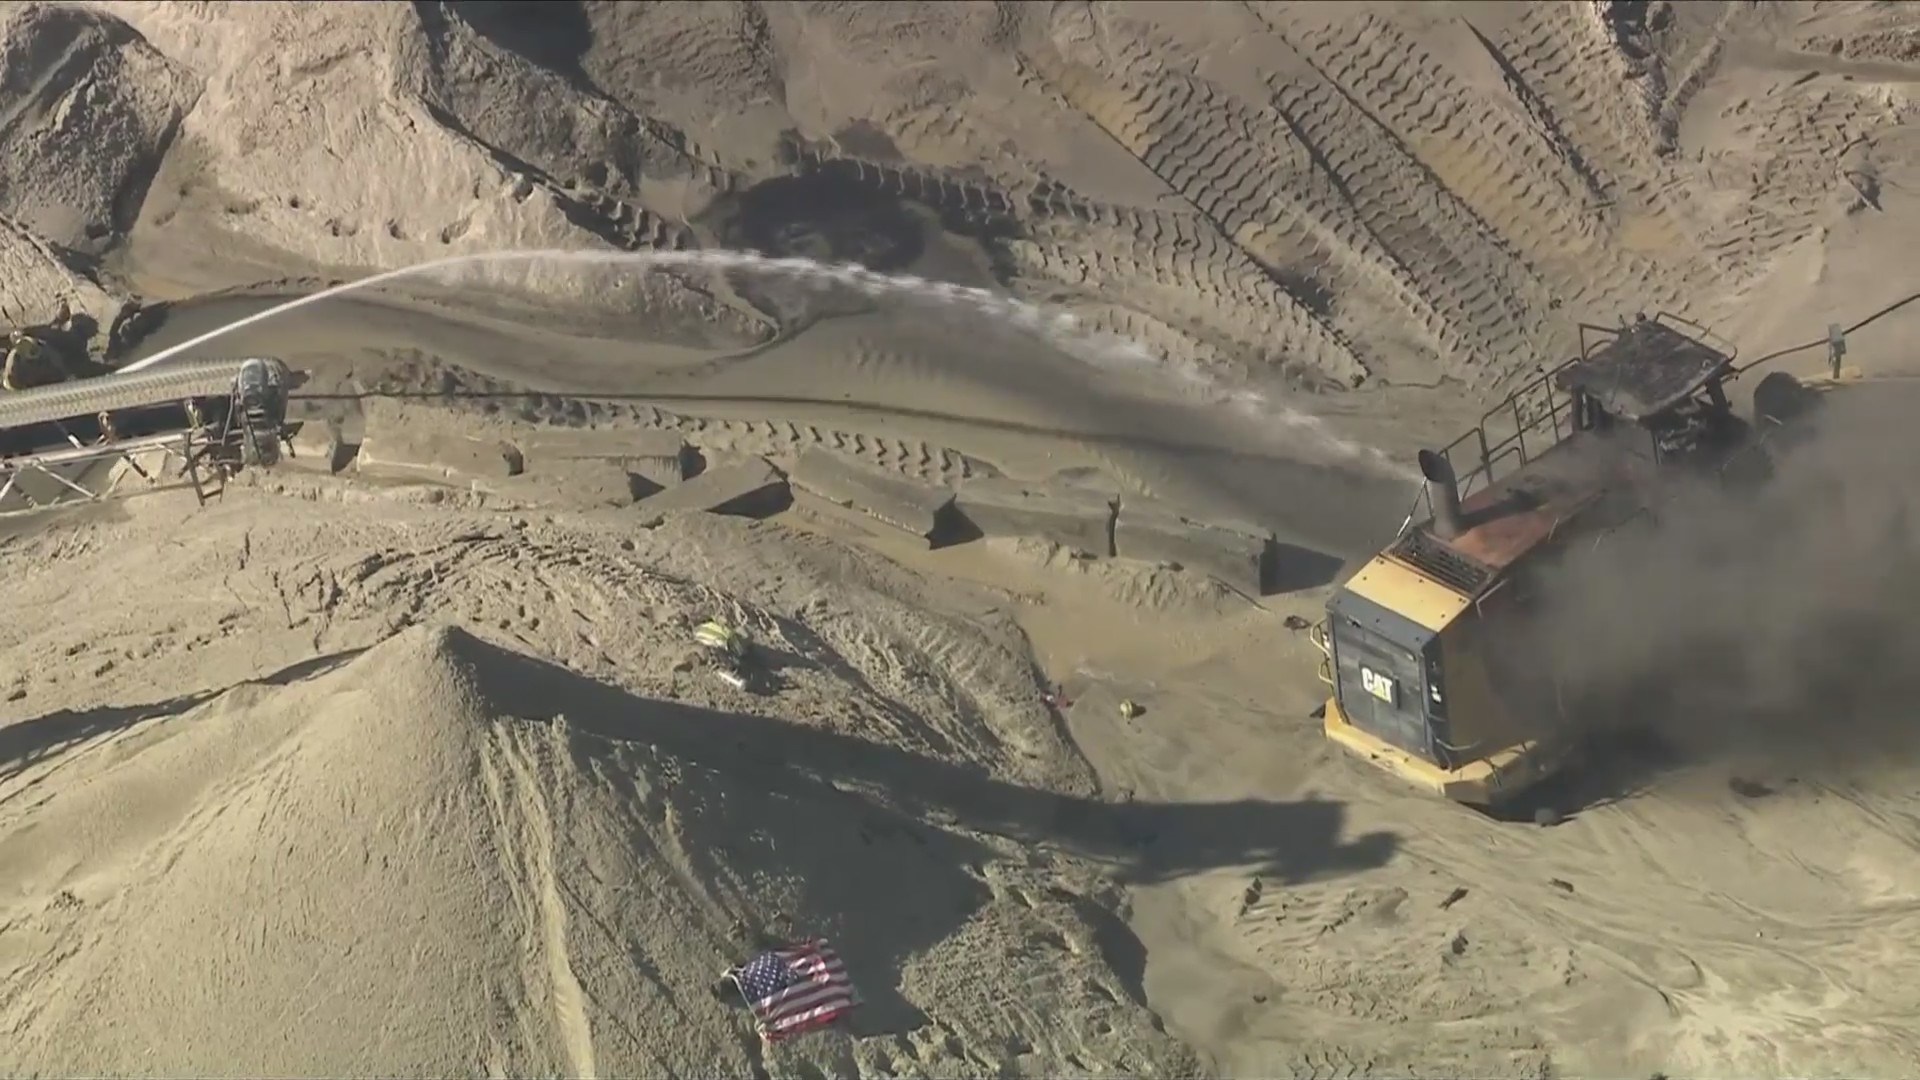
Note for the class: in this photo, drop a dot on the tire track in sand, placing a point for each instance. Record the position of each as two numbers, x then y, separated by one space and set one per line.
1534 196
1728 963
1565 57
1166 123
1273 198
414 373
1527 189
1794 172
1481 288
523 821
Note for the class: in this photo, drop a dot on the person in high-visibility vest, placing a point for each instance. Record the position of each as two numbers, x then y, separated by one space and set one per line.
731 650
717 635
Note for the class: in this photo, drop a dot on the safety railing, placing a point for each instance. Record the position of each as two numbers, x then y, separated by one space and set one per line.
1538 415
1534 418
1317 634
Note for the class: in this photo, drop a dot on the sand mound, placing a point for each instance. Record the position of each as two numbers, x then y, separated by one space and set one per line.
489 864
902 738
35 277
91 110
419 88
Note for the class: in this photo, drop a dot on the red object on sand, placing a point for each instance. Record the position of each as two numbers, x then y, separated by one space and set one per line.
795 988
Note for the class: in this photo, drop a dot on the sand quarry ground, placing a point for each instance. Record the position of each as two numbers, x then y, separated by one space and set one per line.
411 773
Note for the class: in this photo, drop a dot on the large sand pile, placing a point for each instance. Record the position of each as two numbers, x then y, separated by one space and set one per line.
417 771
482 862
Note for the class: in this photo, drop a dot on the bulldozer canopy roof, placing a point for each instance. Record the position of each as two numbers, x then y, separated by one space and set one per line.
1645 370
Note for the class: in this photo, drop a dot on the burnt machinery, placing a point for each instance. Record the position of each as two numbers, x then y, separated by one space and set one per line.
203 420
1426 646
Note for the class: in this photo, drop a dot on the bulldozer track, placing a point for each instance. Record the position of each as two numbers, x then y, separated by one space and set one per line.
628 225
938 133
1159 337
1174 128
1545 120
1693 78
736 53
1330 1063
917 460
1180 283
1535 198
1558 53
1434 229
1528 188
1794 176
1049 198
1270 241
623 223
1164 340
976 200
1317 251
925 128
175 382
1341 251
1565 56
1476 284
1335 245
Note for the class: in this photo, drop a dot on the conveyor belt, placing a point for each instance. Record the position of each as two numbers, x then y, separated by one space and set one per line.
87 397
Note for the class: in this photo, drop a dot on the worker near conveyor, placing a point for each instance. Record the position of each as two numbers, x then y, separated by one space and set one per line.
30 363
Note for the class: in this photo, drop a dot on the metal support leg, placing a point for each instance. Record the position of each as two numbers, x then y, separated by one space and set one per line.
193 472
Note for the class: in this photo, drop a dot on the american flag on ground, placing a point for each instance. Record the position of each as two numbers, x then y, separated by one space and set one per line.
795 988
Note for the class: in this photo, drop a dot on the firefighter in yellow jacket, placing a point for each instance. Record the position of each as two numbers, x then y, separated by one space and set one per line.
33 359
30 363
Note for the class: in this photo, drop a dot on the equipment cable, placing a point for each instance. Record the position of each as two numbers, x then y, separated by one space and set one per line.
1888 310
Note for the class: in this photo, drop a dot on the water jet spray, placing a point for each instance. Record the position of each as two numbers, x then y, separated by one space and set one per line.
1059 329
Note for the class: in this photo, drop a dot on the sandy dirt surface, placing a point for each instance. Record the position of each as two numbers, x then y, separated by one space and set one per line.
401 759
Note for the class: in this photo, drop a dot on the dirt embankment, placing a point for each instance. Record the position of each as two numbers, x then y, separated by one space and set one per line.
1320 203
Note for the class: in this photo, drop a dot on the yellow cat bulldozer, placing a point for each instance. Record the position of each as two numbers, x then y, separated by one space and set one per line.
1431 668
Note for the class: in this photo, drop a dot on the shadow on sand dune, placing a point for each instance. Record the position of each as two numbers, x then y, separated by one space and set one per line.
554 35
42 737
1141 841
